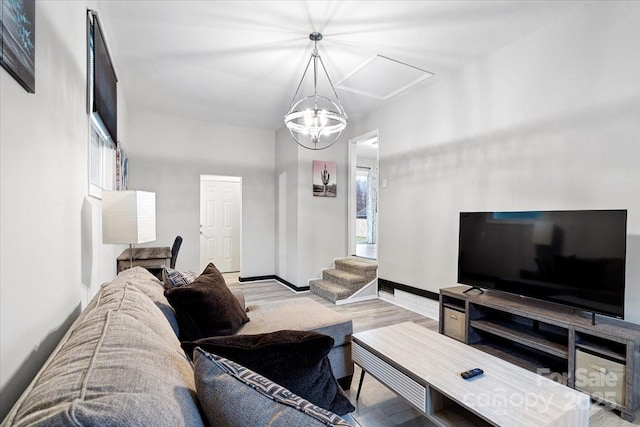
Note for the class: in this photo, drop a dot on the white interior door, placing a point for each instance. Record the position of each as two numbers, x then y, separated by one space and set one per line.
220 213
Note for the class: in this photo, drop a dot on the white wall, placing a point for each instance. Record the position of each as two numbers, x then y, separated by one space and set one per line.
51 256
286 176
322 226
551 121
315 228
168 154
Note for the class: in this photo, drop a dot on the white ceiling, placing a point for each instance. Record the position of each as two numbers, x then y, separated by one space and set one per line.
239 62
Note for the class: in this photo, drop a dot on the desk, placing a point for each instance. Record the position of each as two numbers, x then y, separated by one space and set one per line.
145 257
424 367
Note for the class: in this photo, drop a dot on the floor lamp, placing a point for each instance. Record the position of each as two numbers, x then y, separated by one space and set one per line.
128 217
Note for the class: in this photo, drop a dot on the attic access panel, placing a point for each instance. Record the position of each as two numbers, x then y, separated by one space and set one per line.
381 78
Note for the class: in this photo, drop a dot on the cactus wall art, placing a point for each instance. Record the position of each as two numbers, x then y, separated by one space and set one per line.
324 179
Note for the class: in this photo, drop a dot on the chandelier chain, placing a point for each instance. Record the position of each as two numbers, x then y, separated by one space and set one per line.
300 84
329 78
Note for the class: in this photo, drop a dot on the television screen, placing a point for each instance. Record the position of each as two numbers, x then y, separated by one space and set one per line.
575 258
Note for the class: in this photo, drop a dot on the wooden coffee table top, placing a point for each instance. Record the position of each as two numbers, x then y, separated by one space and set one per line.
504 395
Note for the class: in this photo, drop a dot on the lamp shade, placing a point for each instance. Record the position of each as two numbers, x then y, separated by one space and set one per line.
128 217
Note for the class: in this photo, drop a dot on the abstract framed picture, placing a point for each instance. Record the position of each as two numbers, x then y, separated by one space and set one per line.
122 168
18 41
324 179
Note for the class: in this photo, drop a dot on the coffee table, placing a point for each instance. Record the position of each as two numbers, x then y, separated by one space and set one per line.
424 367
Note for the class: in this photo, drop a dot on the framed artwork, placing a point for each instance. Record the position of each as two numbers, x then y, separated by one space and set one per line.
122 168
324 179
18 41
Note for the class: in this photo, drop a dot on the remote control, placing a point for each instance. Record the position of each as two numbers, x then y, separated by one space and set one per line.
472 373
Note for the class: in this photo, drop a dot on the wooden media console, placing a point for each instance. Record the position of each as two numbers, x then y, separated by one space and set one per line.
561 343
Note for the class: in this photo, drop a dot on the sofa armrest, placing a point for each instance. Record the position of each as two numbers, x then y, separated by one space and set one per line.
240 297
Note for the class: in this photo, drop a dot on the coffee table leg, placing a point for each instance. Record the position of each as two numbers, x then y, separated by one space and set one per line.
360 384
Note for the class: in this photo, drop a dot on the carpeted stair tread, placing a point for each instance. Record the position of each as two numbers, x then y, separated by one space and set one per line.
329 290
344 278
366 269
343 275
349 276
354 264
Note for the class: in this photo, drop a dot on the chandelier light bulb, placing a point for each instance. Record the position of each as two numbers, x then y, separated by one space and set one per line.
308 118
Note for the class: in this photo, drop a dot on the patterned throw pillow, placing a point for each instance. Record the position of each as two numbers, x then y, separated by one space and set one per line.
231 394
174 278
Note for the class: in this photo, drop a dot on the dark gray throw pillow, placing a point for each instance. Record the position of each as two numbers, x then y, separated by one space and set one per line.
232 395
297 360
206 307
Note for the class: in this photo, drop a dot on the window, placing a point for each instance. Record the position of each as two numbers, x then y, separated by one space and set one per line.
102 110
102 160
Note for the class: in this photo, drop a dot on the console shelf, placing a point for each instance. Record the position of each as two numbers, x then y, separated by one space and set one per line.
599 349
548 343
555 341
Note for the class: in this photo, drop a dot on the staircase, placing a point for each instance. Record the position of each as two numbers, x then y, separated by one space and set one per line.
351 277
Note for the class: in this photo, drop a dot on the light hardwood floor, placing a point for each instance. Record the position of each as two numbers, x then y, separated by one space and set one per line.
378 406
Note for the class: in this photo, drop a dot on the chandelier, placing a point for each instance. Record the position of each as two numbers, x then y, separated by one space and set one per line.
316 121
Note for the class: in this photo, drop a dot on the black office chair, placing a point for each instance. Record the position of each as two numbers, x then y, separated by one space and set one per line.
174 251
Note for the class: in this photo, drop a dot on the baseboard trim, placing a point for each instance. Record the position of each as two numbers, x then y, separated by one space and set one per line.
274 277
388 284
256 278
291 285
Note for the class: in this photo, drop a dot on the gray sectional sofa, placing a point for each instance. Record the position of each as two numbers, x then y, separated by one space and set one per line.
121 363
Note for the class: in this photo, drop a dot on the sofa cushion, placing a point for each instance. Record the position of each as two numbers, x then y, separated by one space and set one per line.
122 365
232 395
296 360
142 279
300 314
206 307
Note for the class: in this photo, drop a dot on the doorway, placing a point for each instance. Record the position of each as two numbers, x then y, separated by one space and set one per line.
220 222
363 195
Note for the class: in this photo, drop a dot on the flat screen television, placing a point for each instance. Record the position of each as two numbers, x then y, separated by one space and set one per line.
575 258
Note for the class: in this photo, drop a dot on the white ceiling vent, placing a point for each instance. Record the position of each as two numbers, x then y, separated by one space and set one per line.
381 78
